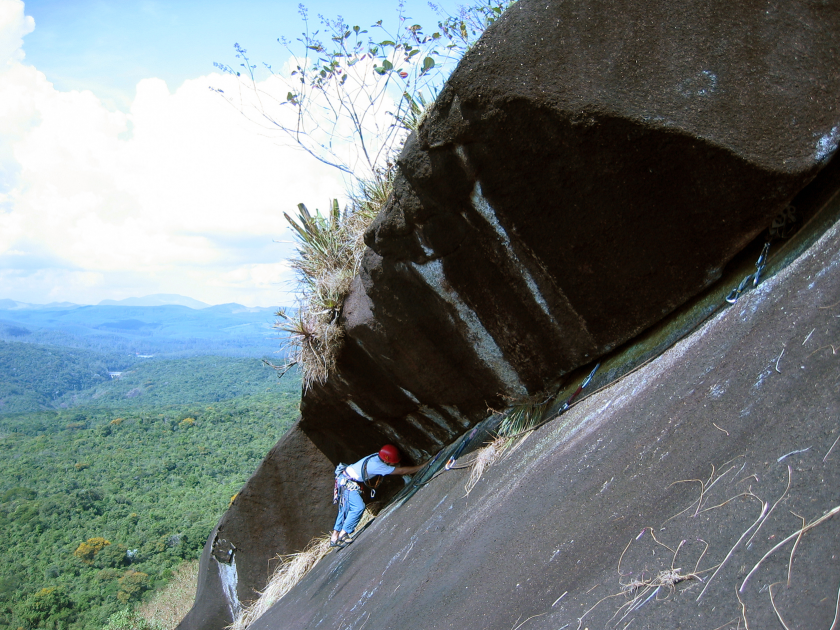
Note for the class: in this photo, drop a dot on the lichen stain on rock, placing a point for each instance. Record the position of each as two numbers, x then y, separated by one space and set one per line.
703 84
827 145
483 343
484 209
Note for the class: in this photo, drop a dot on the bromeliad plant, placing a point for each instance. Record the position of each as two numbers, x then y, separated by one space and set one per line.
324 251
329 254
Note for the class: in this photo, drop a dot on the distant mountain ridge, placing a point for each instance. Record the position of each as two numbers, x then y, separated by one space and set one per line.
161 329
14 305
157 299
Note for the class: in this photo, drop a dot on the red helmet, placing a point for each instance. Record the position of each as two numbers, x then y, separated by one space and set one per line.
389 454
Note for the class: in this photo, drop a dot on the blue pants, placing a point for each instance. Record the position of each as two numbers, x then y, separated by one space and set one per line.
350 508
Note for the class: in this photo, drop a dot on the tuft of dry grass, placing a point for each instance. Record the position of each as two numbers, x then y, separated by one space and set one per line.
486 456
523 416
290 571
517 421
172 603
660 584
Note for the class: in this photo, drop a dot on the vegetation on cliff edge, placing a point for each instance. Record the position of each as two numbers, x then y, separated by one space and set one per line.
350 102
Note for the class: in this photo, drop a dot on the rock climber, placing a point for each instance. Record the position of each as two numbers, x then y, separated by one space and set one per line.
349 481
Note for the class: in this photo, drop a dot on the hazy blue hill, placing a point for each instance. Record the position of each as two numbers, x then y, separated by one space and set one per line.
170 329
234 308
13 305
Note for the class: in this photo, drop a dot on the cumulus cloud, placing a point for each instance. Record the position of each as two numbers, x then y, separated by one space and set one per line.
13 26
172 196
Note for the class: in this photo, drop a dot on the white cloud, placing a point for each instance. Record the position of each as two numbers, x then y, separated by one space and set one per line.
13 26
56 282
162 198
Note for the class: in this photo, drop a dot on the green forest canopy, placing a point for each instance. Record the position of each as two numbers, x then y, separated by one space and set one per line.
149 474
35 377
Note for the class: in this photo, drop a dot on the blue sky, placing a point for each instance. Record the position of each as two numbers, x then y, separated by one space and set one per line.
108 46
122 174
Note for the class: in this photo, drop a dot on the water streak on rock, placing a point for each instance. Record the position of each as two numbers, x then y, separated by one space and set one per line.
229 578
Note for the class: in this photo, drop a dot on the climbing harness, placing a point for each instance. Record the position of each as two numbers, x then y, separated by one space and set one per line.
755 278
343 481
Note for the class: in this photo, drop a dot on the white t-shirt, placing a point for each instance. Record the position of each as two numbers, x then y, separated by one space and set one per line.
375 466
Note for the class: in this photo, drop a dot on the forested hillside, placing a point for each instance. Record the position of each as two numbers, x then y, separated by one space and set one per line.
35 377
99 505
108 481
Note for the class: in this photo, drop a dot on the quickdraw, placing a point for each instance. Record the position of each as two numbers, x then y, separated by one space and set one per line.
580 388
755 278
461 448
374 484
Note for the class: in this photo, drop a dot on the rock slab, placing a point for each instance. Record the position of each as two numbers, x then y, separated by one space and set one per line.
588 168
672 467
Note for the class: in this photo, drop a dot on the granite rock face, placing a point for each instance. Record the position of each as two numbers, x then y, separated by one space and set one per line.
554 532
589 167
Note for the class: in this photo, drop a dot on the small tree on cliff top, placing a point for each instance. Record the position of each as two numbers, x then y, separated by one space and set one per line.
348 93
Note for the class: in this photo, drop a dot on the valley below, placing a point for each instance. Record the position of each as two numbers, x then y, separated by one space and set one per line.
118 453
